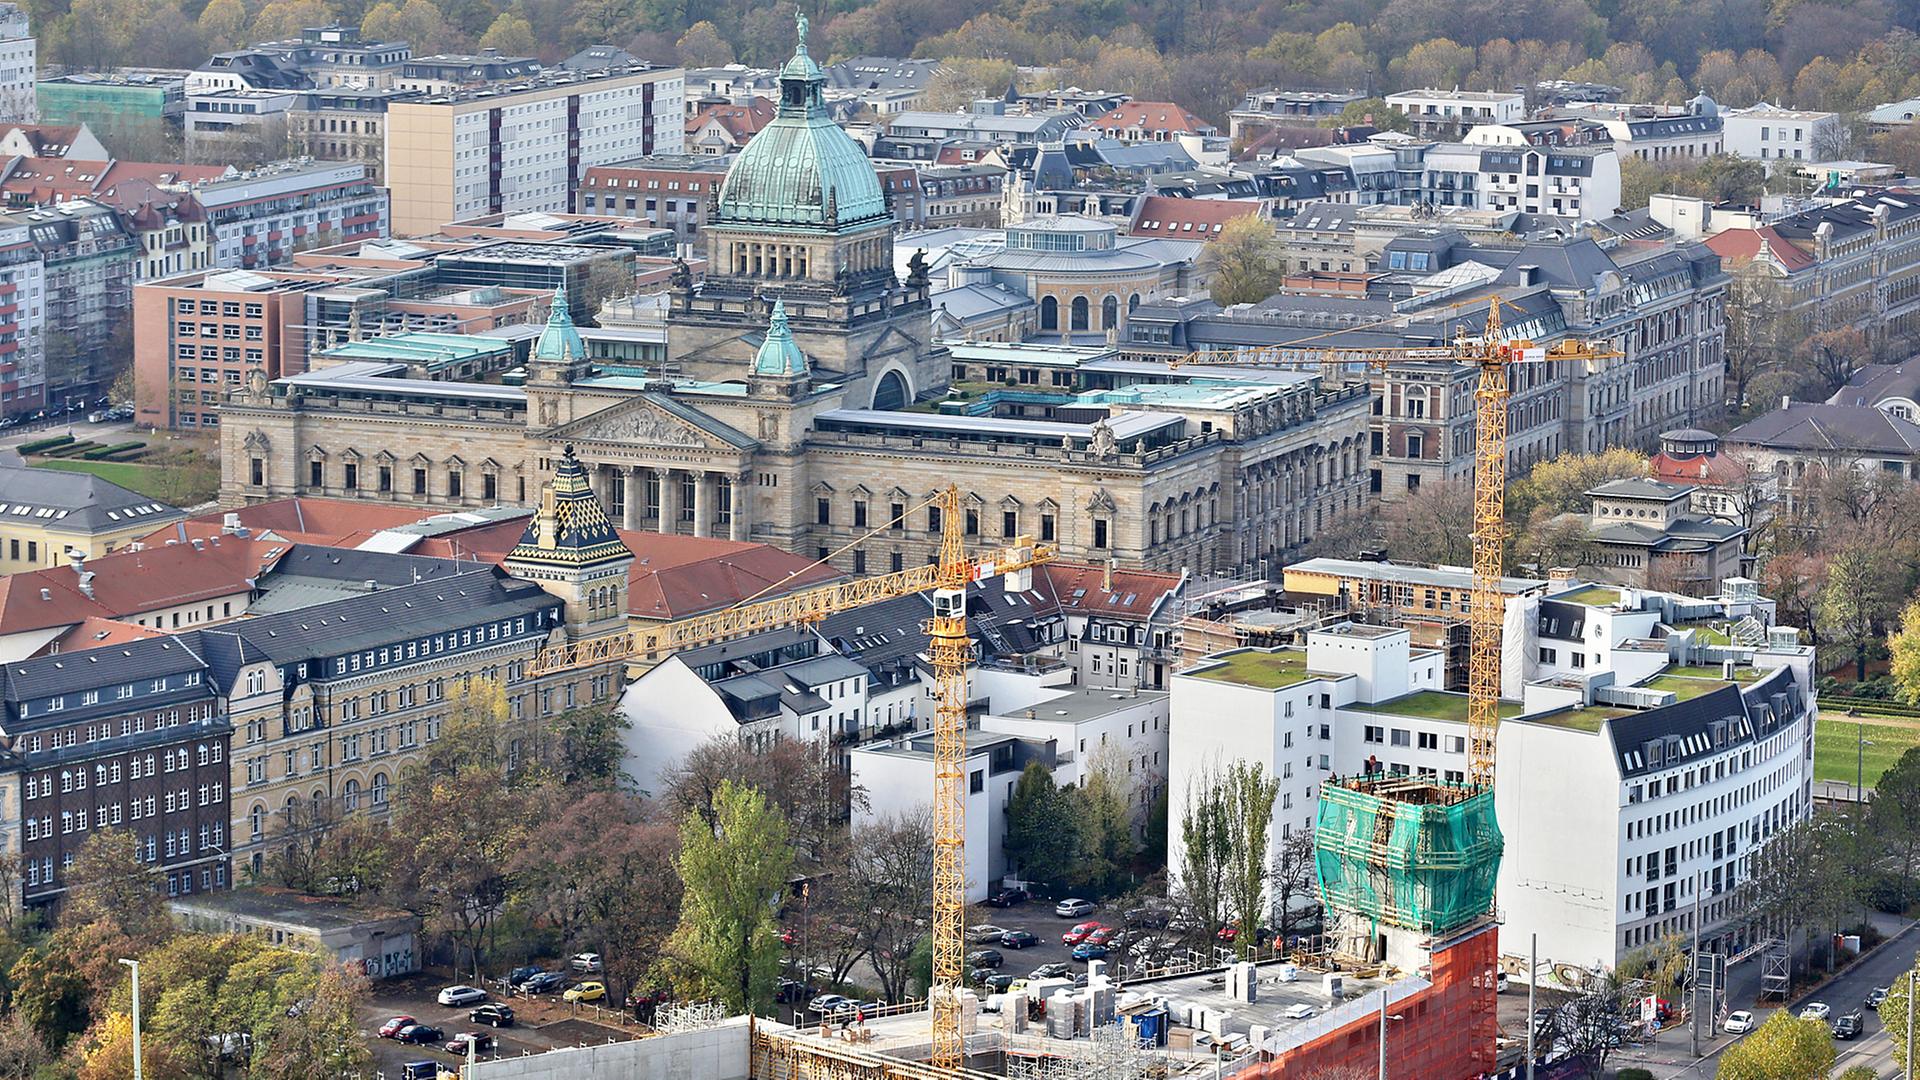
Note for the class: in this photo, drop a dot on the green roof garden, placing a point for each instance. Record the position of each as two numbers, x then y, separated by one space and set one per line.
1434 705
1589 719
1260 670
1591 595
1742 673
1684 687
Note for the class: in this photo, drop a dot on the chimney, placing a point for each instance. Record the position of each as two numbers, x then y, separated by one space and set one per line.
1560 575
1106 575
86 583
230 524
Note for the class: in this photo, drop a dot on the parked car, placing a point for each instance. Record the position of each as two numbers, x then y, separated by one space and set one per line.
1086 950
1018 939
1500 983
1049 971
424 1034
824 1003
394 1026
1738 1023
788 991
462 995
1298 1012
1849 1026
586 991
1073 908
1152 918
492 1014
1103 936
588 963
420 1070
1079 933
518 976
1815 1010
986 932
482 1042
985 958
1878 996
1009 897
544 983
997 983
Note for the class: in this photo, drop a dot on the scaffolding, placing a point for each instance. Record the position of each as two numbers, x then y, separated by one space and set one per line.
1110 1052
1411 853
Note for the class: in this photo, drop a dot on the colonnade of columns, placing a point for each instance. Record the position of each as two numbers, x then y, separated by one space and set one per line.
672 499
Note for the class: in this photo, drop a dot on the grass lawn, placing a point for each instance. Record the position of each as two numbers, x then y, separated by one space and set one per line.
1265 670
1708 634
1741 673
145 479
1434 705
1595 595
1834 746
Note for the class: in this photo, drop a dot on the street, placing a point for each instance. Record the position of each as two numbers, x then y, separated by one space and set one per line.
1670 1056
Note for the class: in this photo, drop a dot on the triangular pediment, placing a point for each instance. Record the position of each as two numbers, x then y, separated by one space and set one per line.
641 421
891 342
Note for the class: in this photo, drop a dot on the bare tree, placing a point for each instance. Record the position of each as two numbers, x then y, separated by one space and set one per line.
1588 1025
889 882
1294 885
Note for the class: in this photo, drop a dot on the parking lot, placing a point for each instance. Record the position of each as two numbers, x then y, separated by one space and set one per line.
1038 917
540 1023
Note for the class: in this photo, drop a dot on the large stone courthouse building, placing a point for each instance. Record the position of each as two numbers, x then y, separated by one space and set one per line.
804 404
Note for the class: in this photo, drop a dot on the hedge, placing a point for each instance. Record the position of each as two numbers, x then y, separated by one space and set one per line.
134 454
99 452
69 450
1841 703
38 445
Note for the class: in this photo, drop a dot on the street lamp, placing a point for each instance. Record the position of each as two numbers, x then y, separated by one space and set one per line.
1384 1017
135 965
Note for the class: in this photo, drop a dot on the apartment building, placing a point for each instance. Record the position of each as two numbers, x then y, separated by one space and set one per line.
23 316
1663 770
336 56
129 737
263 217
19 66
344 124
121 101
45 515
1698 133
671 191
1448 114
524 145
447 73
198 335
242 125
1264 109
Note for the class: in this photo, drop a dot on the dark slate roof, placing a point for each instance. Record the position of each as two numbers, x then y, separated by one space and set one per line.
1563 621
1559 161
1565 263
1808 427
377 618
1630 487
887 636
78 503
135 661
352 564
571 527
1875 383
1687 729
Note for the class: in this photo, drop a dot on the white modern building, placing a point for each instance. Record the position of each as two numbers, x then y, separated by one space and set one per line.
1447 114
1772 134
19 65
1123 733
1581 183
1628 786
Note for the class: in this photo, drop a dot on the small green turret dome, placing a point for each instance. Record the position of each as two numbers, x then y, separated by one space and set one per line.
801 169
779 356
560 342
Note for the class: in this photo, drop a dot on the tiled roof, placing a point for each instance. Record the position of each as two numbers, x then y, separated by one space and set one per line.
675 576
1085 589
132 582
1741 245
740 121
94 632
1187 219
1150 116
571 528
1712 470
1877 382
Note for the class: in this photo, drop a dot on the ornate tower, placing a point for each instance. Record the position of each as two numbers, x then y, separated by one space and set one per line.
801 218
779 368
571 550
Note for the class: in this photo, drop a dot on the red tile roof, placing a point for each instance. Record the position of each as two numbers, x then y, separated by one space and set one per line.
1187 219
1087 589
1717 470
94 632
327 522
1741 245
48 179
740 121
132 582
1150 116
676 576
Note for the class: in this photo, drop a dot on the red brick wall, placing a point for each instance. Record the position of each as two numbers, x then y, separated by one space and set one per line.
1446 1032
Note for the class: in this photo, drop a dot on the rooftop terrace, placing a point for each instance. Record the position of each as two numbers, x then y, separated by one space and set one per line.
1433 705
1591 595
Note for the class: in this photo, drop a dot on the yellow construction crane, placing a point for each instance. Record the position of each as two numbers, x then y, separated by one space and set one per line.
949 652
1491 356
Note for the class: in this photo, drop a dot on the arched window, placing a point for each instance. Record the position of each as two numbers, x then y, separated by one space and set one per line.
1109 312
891 393
1133 302
1049 313
257 820
352 792
379 789
1079 313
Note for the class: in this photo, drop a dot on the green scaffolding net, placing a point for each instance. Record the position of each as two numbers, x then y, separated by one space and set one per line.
1416 854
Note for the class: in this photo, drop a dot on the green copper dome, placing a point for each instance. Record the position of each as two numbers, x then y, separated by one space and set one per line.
801 169
779 356
560 342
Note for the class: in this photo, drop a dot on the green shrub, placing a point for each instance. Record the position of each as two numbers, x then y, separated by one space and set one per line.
99 452
40 445
134 454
